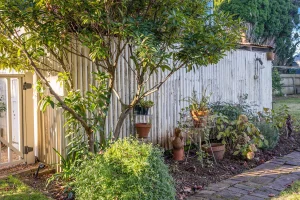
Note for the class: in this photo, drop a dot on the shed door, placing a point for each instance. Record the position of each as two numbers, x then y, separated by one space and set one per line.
11 134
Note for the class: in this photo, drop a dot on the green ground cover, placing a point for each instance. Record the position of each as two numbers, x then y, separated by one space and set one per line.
292 193
13 189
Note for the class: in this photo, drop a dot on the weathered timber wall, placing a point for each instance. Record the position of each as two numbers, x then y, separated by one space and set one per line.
236 74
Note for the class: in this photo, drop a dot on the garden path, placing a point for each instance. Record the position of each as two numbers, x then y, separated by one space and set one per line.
263 182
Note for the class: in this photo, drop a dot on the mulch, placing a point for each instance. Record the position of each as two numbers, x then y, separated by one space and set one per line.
190 175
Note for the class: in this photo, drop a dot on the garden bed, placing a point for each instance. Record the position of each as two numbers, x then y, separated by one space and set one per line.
189 175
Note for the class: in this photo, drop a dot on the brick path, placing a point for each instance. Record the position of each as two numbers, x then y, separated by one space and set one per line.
259 183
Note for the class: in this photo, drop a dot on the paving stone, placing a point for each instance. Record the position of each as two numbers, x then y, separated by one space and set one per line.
242 178
270 178
262 180
206 192
226 194
203 197
257 194
218 186
238 190
266 191
231 181
293 163
250 197
293 155
267 166
245 187
251 184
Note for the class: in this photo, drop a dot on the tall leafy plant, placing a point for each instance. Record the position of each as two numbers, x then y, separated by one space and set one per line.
150 36
270 22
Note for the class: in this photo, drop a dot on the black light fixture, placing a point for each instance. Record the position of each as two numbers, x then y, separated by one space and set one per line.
27 86
41 166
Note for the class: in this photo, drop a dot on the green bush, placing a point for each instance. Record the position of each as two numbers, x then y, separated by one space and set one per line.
270 133
231 110
126 170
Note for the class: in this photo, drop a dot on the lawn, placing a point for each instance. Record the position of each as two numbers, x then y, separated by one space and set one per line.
292 193
292 101
13 189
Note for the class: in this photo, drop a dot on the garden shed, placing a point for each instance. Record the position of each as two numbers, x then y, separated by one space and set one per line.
242 75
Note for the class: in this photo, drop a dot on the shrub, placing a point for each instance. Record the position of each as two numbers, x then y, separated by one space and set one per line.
276 82
126 170
240 136
231 110
270 133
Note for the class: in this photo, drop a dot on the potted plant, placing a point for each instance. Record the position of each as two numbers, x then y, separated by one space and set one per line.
145 105
215 149
143 129
178 150
199 109
270 55
142 108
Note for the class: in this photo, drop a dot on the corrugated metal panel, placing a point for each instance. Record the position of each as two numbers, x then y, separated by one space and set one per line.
231 77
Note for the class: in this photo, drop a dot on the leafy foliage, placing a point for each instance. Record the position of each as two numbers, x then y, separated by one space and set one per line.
270 133
271 22
146 104
126 170
276 118
240 136
231 110
276 82
159 36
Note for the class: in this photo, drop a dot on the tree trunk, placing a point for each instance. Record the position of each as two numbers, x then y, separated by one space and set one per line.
120 122
91 141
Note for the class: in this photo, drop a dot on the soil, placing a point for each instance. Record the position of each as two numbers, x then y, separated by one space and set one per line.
190 175
54 190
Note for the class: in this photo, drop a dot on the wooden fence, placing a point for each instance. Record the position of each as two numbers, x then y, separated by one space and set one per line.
290 83
239 73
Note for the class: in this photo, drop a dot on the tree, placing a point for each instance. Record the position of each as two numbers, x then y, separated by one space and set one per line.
270 22
153 31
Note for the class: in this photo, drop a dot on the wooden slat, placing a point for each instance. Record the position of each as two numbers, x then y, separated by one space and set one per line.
232 76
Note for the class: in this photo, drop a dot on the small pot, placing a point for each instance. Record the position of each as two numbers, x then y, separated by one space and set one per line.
270 56
178 154
137 109
218 149
143 129
144 111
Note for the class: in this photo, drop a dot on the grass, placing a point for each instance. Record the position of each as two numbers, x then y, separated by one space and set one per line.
292 101
292 193
14 189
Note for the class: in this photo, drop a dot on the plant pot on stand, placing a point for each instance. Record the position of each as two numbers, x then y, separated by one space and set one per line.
270 56
200 118
143 129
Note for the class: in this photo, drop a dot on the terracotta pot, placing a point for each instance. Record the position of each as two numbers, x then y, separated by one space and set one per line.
270 56
178 154
143 129
218 149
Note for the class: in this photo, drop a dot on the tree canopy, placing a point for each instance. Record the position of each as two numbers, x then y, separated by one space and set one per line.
36 33
271 22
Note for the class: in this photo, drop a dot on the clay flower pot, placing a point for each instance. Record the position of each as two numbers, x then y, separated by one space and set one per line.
270 56
178 154
218 149
143 129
